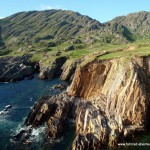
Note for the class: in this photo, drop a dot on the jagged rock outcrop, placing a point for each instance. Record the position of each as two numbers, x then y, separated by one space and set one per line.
93 128
51 70
69 69
54 110
16 68
70 66
108 101
119 88
60 86
124 83
91 124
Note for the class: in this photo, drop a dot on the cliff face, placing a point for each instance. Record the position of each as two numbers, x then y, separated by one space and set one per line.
69 69
123 86
108 101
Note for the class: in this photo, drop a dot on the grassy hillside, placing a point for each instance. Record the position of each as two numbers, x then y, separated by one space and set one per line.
53 33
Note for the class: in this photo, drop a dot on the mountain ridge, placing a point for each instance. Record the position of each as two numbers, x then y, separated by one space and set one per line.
138 23
45 31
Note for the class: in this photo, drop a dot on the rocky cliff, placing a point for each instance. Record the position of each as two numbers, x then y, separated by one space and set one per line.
119 89
53 69
108 101
16 68
123 85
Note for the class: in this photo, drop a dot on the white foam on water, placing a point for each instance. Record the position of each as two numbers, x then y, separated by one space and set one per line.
23 120
2 112
20 128
37 134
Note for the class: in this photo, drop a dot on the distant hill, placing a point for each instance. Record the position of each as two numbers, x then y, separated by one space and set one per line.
28 28
53 25
137 23
43 30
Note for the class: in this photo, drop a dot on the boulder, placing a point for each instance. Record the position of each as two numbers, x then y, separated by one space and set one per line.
60 86
7 107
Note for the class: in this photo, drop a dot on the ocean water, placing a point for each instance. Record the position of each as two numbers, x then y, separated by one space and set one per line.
22 96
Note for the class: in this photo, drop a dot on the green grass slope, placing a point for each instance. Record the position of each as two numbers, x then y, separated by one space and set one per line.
53 33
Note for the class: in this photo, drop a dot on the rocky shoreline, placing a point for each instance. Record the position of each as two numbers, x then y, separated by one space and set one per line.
108 101
13 69
16 68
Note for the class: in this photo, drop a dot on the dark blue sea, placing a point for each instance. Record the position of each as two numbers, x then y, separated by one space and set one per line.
22 96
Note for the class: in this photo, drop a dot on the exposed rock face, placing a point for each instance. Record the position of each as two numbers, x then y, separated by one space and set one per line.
93 128
91 125
119 89
15 68
51 109
53 70
108 101
69 69
124 84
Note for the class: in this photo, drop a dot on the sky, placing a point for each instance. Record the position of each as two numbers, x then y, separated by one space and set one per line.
102 10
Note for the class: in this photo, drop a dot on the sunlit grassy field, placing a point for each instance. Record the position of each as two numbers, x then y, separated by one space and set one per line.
95 50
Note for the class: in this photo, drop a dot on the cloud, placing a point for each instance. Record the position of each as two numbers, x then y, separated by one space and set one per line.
47 7
1 17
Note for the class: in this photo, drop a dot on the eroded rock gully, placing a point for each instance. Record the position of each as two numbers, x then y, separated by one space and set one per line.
108 101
